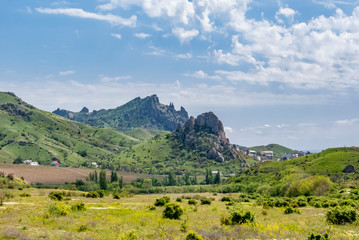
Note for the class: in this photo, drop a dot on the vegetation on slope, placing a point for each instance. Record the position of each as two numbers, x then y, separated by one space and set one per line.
29 133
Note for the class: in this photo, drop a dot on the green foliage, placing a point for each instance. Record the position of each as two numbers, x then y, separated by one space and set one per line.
315 185
25 195
290 210
341 215
192 235
206 201
192 202
17 160
58 196
78 207
56 210
172 211
324 236
103 180
239 217
93 194
162 201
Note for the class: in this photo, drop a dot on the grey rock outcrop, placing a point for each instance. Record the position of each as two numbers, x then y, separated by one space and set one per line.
206 134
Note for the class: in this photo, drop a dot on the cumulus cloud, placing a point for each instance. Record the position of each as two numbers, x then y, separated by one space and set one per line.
116 35
80 13
185 35
142 35
202 75
65 73
106 79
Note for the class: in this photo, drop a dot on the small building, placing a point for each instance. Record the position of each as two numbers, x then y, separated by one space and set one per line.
27 162
215 173
253 152
34 164
268 154
94 164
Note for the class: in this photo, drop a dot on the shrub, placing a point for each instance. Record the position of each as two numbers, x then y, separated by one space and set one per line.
56 210
178 199
172 211
341 215
58 196
162 201
192 235
238 217
78 207
25 195
226 199
318 236
116 195
289 210
206 201
192 202
92 194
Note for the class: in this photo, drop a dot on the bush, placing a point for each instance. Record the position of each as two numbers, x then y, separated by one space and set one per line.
341 215
78 207
192 235
25 195
226 199
290 210
178 199
92 194
206 201
192 202
162 201
56 210
318 236
116 195
172 211
238 217
57 196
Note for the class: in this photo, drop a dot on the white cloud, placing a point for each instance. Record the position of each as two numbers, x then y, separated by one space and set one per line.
65 73
288 13
228 129
184 56
202 75
80 13
116 35
142 35
185 35
106 79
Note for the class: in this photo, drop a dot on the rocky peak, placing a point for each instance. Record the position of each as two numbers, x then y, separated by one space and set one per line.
206 134
84 110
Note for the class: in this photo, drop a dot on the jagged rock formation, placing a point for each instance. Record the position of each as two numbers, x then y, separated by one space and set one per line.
146 113
206 134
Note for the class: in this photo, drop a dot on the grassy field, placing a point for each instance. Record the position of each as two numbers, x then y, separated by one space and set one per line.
58 175
130 217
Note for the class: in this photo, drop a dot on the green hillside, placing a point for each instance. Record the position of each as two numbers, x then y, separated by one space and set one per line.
29 133
145 134
280 174
278 150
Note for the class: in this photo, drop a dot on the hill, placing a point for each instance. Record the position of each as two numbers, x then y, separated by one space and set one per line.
29 133
279 175
278 150
147 113
199 144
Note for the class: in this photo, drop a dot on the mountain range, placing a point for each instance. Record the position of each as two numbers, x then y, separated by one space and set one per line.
147 113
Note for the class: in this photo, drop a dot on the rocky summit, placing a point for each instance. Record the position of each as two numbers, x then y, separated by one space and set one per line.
206 134
146 113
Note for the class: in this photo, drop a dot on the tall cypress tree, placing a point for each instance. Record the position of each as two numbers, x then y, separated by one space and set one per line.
103 180
217 178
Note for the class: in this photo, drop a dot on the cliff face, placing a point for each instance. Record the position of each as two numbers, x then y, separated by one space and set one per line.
146 113
206 134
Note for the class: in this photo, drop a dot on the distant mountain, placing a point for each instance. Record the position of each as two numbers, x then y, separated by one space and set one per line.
31 134
147 113
201 143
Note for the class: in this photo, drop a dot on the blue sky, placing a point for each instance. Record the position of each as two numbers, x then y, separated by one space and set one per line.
274 71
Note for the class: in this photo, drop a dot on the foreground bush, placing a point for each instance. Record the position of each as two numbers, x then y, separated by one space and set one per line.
341 215
172 211
56 210
58 196
290 210
238 217
78 207
313 236
162 201
192 235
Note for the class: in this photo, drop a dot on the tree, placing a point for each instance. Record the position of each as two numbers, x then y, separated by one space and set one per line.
217 178
95 177
114 177
120 182
171 179
103 180
17 160
187 179
209 177
147 184
194 180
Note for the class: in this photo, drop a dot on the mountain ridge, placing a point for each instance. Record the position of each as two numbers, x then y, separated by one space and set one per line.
147 113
